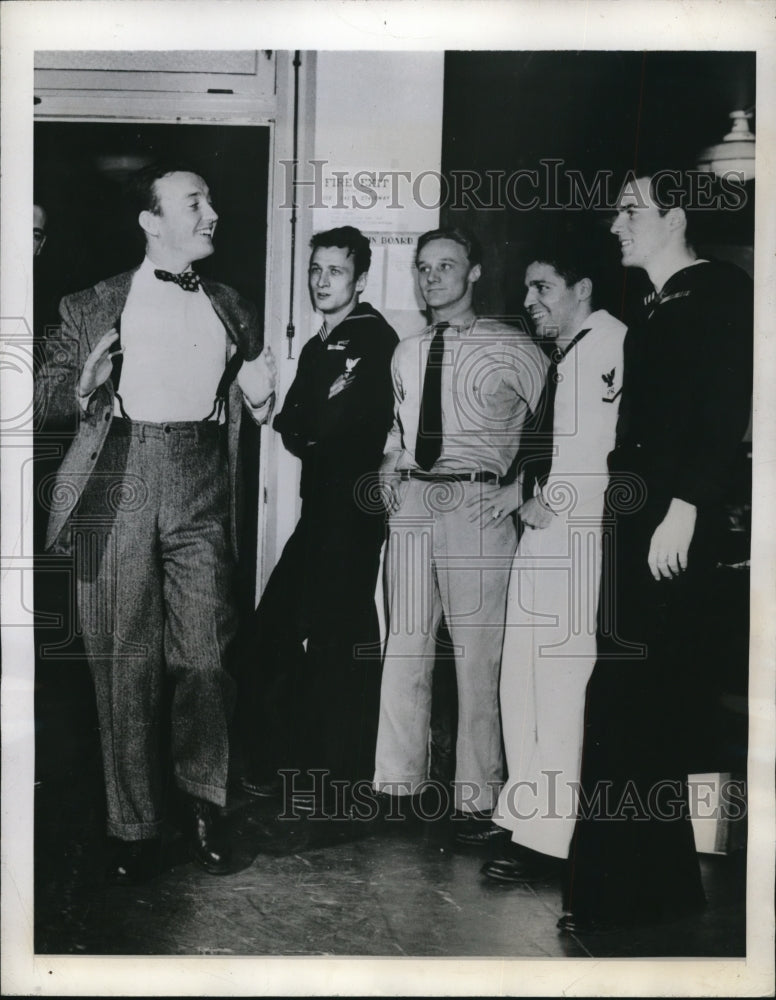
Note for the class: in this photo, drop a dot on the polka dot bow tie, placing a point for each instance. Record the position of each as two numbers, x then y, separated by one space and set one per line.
189 281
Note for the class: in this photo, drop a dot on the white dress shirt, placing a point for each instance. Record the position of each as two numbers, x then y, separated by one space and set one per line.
492 378
175 350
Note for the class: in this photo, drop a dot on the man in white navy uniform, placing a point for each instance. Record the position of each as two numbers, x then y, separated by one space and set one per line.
463 390
148 492
550 636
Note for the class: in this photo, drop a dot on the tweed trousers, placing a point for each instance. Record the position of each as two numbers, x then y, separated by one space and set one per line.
155 579
440 562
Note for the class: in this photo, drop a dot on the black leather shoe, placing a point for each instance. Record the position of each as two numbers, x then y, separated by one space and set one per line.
307 802
207 844
577 923
333 804
573 923
517 870
476 832
262 789
134 862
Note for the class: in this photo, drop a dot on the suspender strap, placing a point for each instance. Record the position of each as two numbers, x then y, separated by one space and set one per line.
118 364
233 365
118 359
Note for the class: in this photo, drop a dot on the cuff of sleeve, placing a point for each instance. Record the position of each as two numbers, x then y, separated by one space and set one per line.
698 492
261 413
689 497
83 401
539 495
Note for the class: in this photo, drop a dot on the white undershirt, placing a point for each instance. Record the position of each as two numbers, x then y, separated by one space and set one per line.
175 350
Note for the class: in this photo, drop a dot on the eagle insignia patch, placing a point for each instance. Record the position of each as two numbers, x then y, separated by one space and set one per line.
611 392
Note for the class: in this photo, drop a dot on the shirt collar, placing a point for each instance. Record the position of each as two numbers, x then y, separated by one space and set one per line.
358 311
462 323
147 268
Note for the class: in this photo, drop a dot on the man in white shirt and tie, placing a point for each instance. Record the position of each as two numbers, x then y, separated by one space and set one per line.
463 390
148 492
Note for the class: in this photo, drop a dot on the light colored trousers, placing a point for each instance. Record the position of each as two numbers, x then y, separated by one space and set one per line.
549 654
439 562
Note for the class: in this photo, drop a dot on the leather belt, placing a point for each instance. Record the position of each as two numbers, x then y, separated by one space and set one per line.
491 478
203 430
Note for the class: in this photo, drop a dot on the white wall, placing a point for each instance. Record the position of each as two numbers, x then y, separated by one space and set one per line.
360 111
382 112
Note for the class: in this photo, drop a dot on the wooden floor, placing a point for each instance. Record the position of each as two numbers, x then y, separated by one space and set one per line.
305 886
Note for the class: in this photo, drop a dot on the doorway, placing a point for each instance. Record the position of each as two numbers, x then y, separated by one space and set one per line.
81 170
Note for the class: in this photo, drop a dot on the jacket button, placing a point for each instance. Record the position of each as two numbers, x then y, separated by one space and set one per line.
107 416
94 455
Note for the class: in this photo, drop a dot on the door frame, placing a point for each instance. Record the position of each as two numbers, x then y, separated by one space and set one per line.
278 471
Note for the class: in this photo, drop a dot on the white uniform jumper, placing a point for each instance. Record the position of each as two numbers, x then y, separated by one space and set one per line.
550 638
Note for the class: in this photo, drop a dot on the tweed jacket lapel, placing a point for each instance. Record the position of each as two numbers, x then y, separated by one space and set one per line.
111 297
213 292
230 310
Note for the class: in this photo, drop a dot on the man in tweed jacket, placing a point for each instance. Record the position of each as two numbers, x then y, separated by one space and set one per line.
147 494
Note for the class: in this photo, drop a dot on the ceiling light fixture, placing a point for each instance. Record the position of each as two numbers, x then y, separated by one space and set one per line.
736 151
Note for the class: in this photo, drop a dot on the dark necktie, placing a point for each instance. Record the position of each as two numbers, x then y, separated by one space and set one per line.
428 444
538 470
188 281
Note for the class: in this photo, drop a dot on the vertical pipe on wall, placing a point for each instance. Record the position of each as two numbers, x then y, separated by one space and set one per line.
290 331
